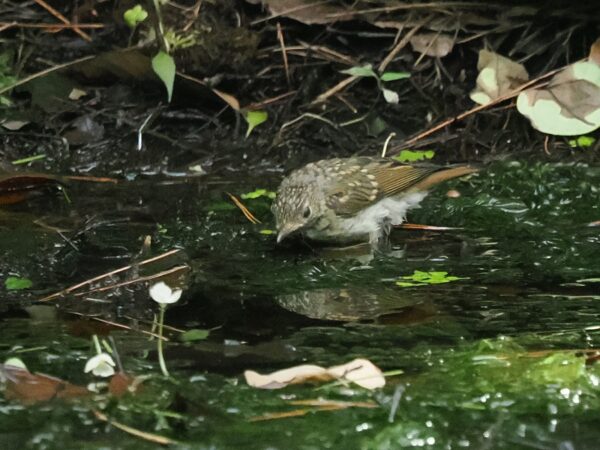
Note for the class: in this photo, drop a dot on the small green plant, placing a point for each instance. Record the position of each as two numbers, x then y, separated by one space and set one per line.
134 16
163 65
17 283
194 335
6 79
582 142
407 156
367 71
255 118
419 278
258 193
164 295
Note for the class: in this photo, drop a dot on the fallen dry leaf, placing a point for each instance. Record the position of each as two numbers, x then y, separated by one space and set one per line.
309 12
498 76
18 187
359 371
122 383
432 44
32 388
569 105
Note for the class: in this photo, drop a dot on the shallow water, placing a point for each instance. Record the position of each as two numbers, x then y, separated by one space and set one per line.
474 374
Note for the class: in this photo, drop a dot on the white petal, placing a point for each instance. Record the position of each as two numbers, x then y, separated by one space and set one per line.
162 293
103 370
101 359
175 296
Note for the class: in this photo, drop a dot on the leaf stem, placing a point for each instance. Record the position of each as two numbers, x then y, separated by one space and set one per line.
161 358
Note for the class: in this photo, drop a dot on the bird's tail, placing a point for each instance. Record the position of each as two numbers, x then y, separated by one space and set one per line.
443 175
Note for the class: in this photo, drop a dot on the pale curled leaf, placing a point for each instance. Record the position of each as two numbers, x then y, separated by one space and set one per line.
498 76
432 44
390 96
359 371
285 377
569 105
228 98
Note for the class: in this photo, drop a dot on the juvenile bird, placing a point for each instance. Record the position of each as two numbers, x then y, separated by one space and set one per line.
345 200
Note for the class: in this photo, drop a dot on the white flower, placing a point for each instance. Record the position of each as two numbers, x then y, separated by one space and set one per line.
163 294
101 365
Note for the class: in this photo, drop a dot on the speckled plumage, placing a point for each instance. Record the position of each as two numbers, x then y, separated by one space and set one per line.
352 199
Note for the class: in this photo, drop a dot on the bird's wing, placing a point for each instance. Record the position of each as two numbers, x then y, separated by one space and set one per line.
393 180
359 186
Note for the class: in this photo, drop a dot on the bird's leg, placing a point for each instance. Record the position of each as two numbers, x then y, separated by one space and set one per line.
380 240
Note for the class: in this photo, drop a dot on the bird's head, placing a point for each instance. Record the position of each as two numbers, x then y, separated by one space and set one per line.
295 208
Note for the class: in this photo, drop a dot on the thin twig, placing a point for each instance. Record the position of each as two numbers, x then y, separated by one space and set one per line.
49 26
154 276
400 45
45 72
269 101
63 19
334 90
244 210
108 274
283 54
118 325
150 437
478 108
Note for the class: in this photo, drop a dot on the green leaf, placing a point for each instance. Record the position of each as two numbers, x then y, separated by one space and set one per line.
220 206
582 141
407 284
194 335
258 193
255 118
413 155
420 278
28 160
134 16
164 66
361 71
16 283
393 76
267 232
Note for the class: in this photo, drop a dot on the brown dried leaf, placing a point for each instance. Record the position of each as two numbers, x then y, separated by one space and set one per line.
595 52
569 105
32 388
432 44
15 188
498 76
122 383
309 12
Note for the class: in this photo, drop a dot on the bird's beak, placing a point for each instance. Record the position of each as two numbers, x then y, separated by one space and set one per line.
285 231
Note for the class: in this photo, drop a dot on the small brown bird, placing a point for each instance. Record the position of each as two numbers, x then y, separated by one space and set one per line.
346 200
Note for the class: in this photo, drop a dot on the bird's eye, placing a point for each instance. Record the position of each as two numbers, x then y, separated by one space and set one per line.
306 213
